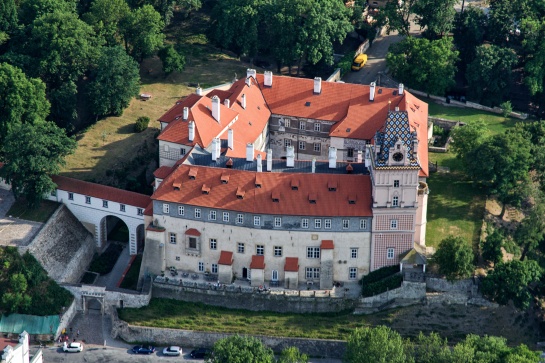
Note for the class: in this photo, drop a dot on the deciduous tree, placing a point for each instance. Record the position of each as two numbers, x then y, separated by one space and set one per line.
143 32
8 15
437 16
292 355
395 16
468 137
469 30
173 61
106 16
237 349
491 247
31 10
378 345
454 257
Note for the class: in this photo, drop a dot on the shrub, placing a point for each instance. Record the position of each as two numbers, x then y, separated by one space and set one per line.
141 124
388 283
345 64
507 108
379 274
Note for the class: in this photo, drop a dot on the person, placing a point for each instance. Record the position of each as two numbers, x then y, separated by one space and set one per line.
77 334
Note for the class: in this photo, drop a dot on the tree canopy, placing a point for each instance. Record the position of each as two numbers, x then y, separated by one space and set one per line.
468 137
437 16
143 32
454 257
379 345
292 355
238 349
172 60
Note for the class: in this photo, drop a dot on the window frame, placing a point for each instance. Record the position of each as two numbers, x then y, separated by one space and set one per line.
172 238
214 268
201 266
313 252
240 218
312 273
260 250
395 201
70 196
301 145
197 213
352 273
353 252
302 125
287 122
317 147
122 208
181 210
277 251
318 223
241 247
87 199
393 224
277 222
317 127
327 223
225 217
104 203
304 223
346 223
213 243
257 221
166 208
390 253
140 211
363 223
192 240
212 215
287 142
396 183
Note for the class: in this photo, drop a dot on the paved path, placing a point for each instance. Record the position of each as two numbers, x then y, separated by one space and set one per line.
110 280
14 231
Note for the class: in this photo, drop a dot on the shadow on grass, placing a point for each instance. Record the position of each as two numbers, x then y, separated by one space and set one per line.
41 214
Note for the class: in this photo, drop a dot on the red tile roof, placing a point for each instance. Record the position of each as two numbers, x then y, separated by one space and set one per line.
258 262
258 200
292 264
162 172
226 258
177 111
327 244
193 232
418 118
101 191
149 209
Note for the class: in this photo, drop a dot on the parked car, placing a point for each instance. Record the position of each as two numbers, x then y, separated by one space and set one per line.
359 61
174 350
200 353
140 349
72 347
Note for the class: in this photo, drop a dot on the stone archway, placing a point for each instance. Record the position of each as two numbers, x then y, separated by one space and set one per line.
93 300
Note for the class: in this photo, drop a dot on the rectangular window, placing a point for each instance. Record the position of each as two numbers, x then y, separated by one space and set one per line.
304 223
277 222
240 218
181 210
395 201
277 251
197 213
317 223
396 183
390 253
87 200
302 145
213 244
350 153
352 273
212 215
353 253
302 125
182 151
177 258
327 223
122 207
313 252
260 250
70 196
214 268
257 221
140 211
317 126
166 208
287 122
287 142
173 238
312 273
346 223
105 204
393 224
240 247
363 223
193 243
317 147
226 216
201 266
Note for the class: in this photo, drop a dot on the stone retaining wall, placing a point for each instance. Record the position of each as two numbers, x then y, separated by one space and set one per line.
439 284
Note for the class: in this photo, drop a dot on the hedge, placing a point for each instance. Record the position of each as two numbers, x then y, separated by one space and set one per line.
379 274
375 288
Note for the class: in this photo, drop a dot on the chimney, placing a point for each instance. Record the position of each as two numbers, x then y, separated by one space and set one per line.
199 91
186 113
269 159
251 73
396 109
216 108
268 78
359 157
191 130
230 139
400 89
313 165
259 164
227 103
290 157
243 101
372 87
249 151
332 157
368 156
215 153
317 85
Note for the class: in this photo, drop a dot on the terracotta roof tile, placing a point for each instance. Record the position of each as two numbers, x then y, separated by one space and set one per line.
162 172
192 232
149 209
327 244
292 264
176 111
258 262
226 258
101 191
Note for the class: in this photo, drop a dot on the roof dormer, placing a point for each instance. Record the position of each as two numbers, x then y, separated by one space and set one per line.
193 173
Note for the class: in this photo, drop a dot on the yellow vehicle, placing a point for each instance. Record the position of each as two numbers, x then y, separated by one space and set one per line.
359 62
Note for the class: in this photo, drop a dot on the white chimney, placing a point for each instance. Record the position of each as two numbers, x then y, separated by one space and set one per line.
216 108
269 159
249 151
186 113
400 89
251 73
372 87
227 103
317 85
268 78
215 154
199 91
332 157
218 147
191 130
359 157
259 164
396 109
368 156
290 157
230 139
243 101
313 165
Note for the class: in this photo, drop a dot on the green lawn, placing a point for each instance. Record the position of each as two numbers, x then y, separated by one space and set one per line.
41 214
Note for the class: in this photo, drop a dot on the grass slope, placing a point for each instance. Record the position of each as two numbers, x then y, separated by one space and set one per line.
20 209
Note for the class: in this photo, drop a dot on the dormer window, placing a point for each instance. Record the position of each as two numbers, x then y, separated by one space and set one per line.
332 186
312 198
205 189
295 185
352 199
193 173
240 193
258 181
177 186
224 179
275 197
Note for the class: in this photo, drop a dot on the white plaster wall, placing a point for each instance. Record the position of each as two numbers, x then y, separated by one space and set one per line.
384 187
169 152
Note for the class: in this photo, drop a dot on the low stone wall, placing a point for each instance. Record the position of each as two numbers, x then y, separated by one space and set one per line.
130 333
254 301
439 284
66 318
409 293
63 247
335 76
444 123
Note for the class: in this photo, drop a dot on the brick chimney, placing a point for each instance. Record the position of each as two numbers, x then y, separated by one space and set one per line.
215 153
216 108
268 78
186 113
191 130
400 89
317 85
227 103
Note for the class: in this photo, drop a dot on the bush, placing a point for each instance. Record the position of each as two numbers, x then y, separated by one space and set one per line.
141 124
388 283
379 274
507 108
345 64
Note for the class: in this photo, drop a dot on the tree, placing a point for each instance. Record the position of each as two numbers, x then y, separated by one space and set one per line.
31 10
395 16
378 345
237 349
468 137
491 247
423 64
531 231
469 30
489 75
64 101
114 82
8 15
22 100
143 32
455 258
172 60
435 15
16 298
29 164
510 280
106 16
429 349
292 355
